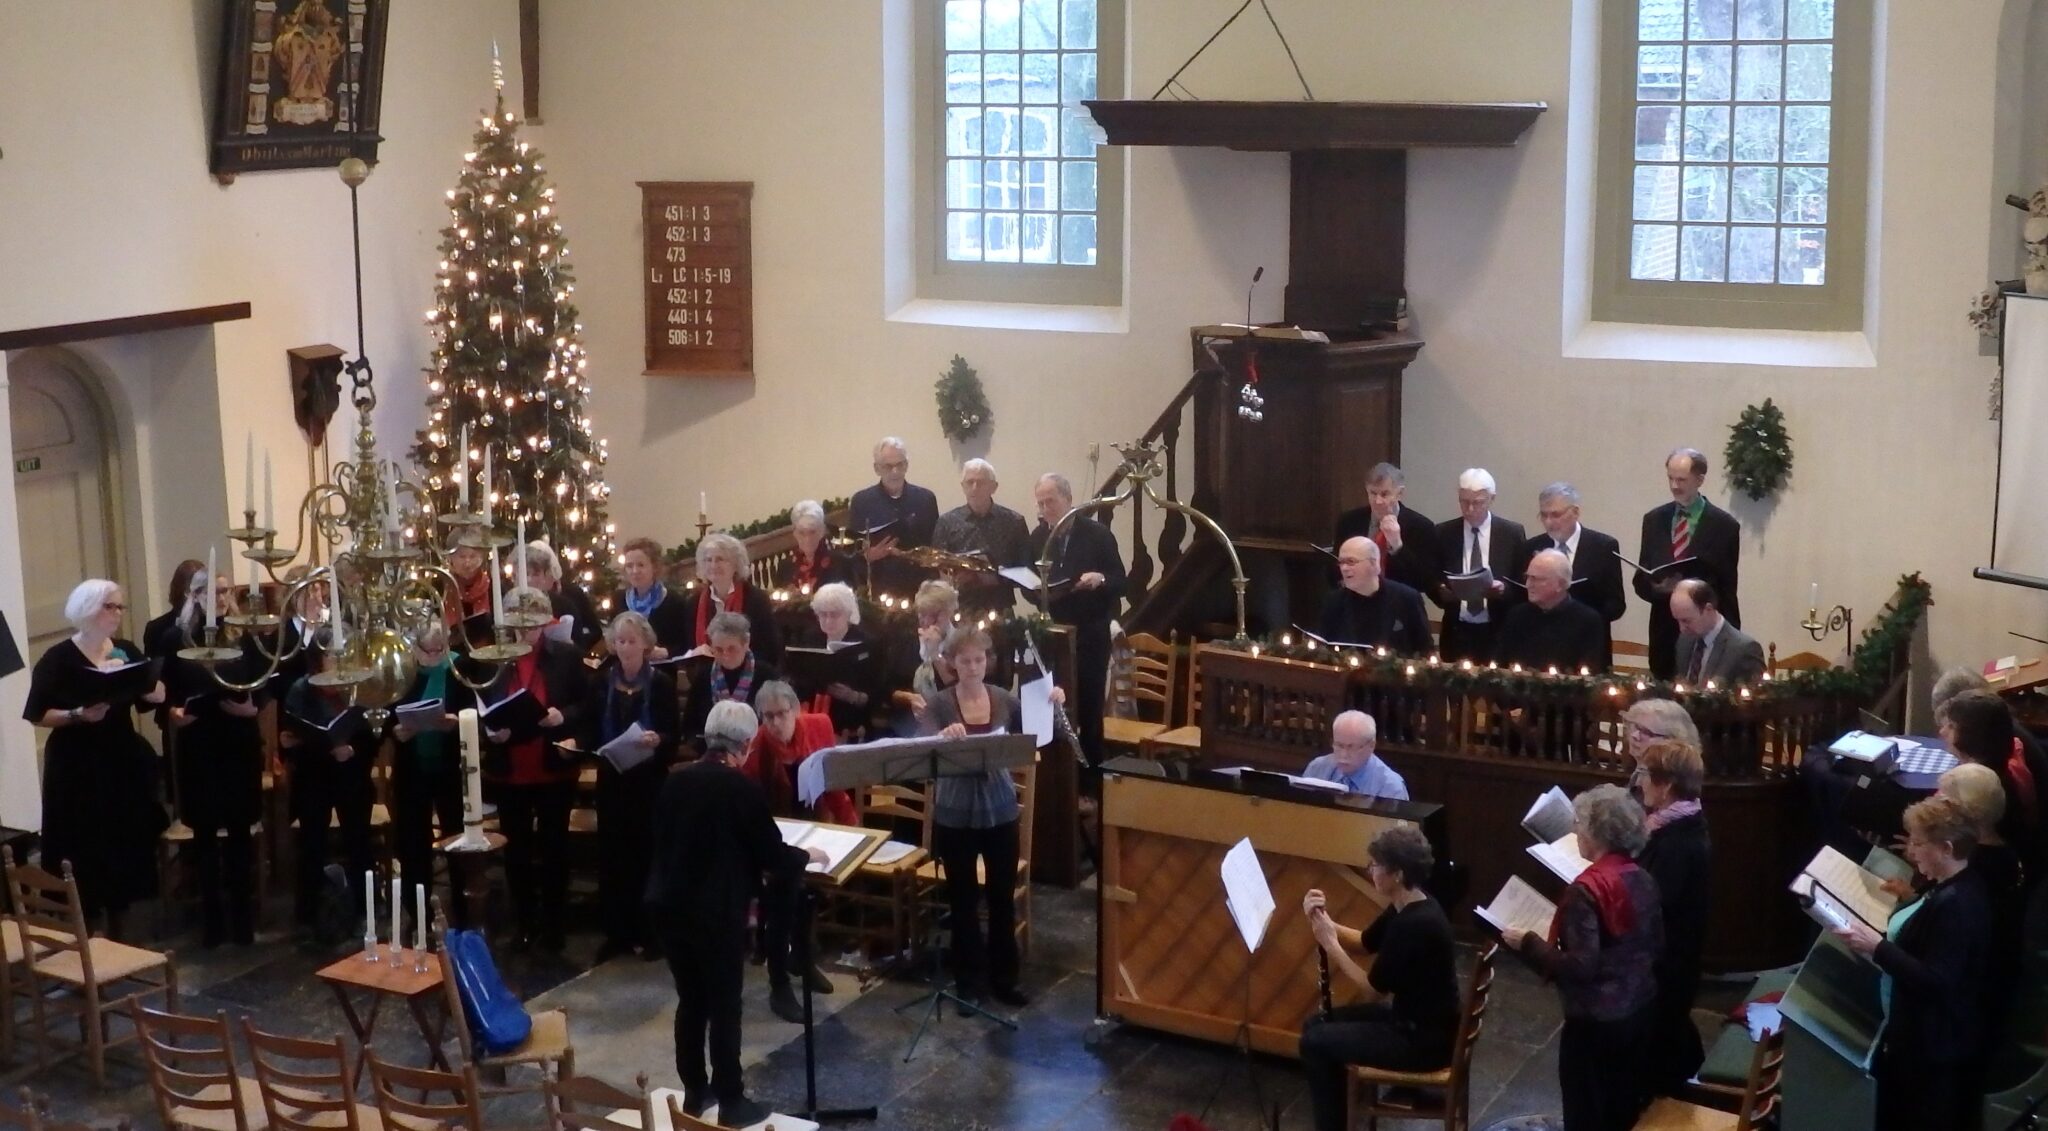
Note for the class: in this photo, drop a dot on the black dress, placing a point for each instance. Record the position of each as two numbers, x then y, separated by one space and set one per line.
1677 856
100 803
625 801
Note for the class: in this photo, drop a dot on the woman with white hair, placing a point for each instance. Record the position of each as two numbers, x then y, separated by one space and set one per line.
100 807
714 840
565 597
813 565
838 669
722 587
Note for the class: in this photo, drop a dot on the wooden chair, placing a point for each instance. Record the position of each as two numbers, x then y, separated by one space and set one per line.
1454 1079
1796 662
599 1101
1145 671
193 1073
306 1084
463 1109
684 1122
547 1047
14 981
882 903
1185 740
1631 659
75 974
1758 1106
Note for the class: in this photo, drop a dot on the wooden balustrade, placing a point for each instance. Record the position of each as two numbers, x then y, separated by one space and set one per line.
767 554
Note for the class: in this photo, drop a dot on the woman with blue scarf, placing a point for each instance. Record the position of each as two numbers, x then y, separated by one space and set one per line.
666 612
426 766
626 692
1933 953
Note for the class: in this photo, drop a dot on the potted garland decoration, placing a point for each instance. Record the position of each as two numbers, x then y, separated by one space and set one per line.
963 403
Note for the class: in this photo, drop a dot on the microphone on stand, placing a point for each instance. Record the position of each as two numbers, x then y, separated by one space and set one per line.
1249 401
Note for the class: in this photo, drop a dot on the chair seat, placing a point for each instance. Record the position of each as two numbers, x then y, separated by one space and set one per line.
548 1040
1130 732
180 833
221 1119
582 820
1190 737
1388 1078
111 962
1676 1115
10 938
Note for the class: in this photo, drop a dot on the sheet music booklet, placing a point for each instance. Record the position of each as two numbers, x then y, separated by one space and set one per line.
1246 893
836 844
1473 586
117 686
518 712
1831 884
1658 573
1550 816
1519 906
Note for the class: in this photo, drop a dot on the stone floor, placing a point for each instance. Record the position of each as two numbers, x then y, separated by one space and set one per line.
1058 1069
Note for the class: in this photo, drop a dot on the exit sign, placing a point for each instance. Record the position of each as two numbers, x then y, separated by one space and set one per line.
31 463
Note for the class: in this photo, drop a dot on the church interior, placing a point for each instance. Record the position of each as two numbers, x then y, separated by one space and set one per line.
504 430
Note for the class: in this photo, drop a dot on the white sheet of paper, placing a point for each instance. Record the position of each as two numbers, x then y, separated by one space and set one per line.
1035 700
625 752
1858 889
1550 816
1519 906
836 844
1764 1019
890 852
1246 892
1021 575
1562 857
560 631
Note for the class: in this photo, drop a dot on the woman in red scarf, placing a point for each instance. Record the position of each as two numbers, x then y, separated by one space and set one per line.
472 596
1601 952
722 587
788 735
813 564
532 781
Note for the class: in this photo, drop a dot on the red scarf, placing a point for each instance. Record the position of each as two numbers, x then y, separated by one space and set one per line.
2022 779
810 570
772 761
736 603
528 761
1606 884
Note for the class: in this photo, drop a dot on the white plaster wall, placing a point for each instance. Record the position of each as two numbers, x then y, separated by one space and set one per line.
20 792
1895 463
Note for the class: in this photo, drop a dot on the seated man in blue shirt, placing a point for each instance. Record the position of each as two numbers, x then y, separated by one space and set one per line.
1351 763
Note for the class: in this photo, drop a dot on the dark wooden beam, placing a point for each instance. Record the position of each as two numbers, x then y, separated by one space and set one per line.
529 58
1297 126
121 327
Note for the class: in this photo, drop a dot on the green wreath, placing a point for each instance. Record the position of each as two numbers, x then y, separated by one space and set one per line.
963 404
1759 451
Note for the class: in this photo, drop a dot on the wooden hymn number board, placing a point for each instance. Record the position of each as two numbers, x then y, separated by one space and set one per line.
699 277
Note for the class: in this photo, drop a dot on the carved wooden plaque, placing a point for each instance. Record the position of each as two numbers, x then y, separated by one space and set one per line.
699 277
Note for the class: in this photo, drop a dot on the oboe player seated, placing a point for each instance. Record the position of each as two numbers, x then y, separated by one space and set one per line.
1409 1019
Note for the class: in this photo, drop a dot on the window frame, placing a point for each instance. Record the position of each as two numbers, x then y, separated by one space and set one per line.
1835 305
1100 284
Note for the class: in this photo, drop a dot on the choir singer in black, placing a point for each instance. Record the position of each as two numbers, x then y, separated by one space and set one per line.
1087 583
1595 557
714 840
1370 608
1405 537
1552 629
1477 539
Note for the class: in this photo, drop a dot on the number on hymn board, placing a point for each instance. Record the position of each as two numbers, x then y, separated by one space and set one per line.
699 283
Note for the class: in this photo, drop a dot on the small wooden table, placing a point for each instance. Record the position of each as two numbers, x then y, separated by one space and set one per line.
392 975
468 880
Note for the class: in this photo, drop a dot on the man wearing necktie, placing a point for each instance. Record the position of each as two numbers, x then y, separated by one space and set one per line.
1594 557
1686 527
1709 647
1087 581
1406 538
1477 539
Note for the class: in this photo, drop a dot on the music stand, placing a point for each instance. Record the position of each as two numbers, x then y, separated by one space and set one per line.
909 762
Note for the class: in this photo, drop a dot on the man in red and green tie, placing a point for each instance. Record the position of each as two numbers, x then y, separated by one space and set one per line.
1687 527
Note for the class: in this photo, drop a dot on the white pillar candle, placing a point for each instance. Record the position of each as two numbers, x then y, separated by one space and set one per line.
485 503
472 767
497 594
267 512
519 576
703 504
255 595
397 905
419 917
462 473
249 473
1813 596
369 906
209 586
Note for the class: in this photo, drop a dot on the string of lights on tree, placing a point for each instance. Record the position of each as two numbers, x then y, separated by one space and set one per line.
509 369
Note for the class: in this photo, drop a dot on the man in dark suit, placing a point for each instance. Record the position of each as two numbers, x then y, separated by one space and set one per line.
893 514
1087 579
1552 629
1686 527
1595 557
1477 539
1406 539
714 841
1709 646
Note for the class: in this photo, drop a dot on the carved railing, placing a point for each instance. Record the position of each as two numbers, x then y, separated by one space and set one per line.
1174 532
767 553
1276 712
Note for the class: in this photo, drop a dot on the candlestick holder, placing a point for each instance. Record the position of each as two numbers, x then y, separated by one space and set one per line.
472 838
1840 619
703 525
370 947
419 960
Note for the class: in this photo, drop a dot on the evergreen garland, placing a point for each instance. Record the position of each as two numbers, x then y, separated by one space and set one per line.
963 403
687 549
1759 451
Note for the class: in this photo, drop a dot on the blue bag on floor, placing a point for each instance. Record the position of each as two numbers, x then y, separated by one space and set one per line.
497 1021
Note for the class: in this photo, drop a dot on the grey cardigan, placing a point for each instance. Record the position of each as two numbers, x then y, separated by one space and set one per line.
983 802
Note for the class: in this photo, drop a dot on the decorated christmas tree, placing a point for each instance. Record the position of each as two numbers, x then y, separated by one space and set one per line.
508 364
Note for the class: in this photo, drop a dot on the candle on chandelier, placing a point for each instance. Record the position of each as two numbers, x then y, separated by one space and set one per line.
519 573
209 587
249 473
266 491
462 473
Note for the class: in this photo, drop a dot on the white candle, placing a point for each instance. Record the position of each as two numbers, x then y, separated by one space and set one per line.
209 586
462 473
519 577
419 917
340 625
254 595
249 474
497 595
487 485
369 906
397 905
472 767
1813 596
267 512
703 505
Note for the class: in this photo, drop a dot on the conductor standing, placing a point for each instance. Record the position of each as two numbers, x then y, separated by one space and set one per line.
714 841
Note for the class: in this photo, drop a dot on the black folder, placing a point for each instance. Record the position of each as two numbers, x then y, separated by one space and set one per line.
518 712
335 729
817 667
117 686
